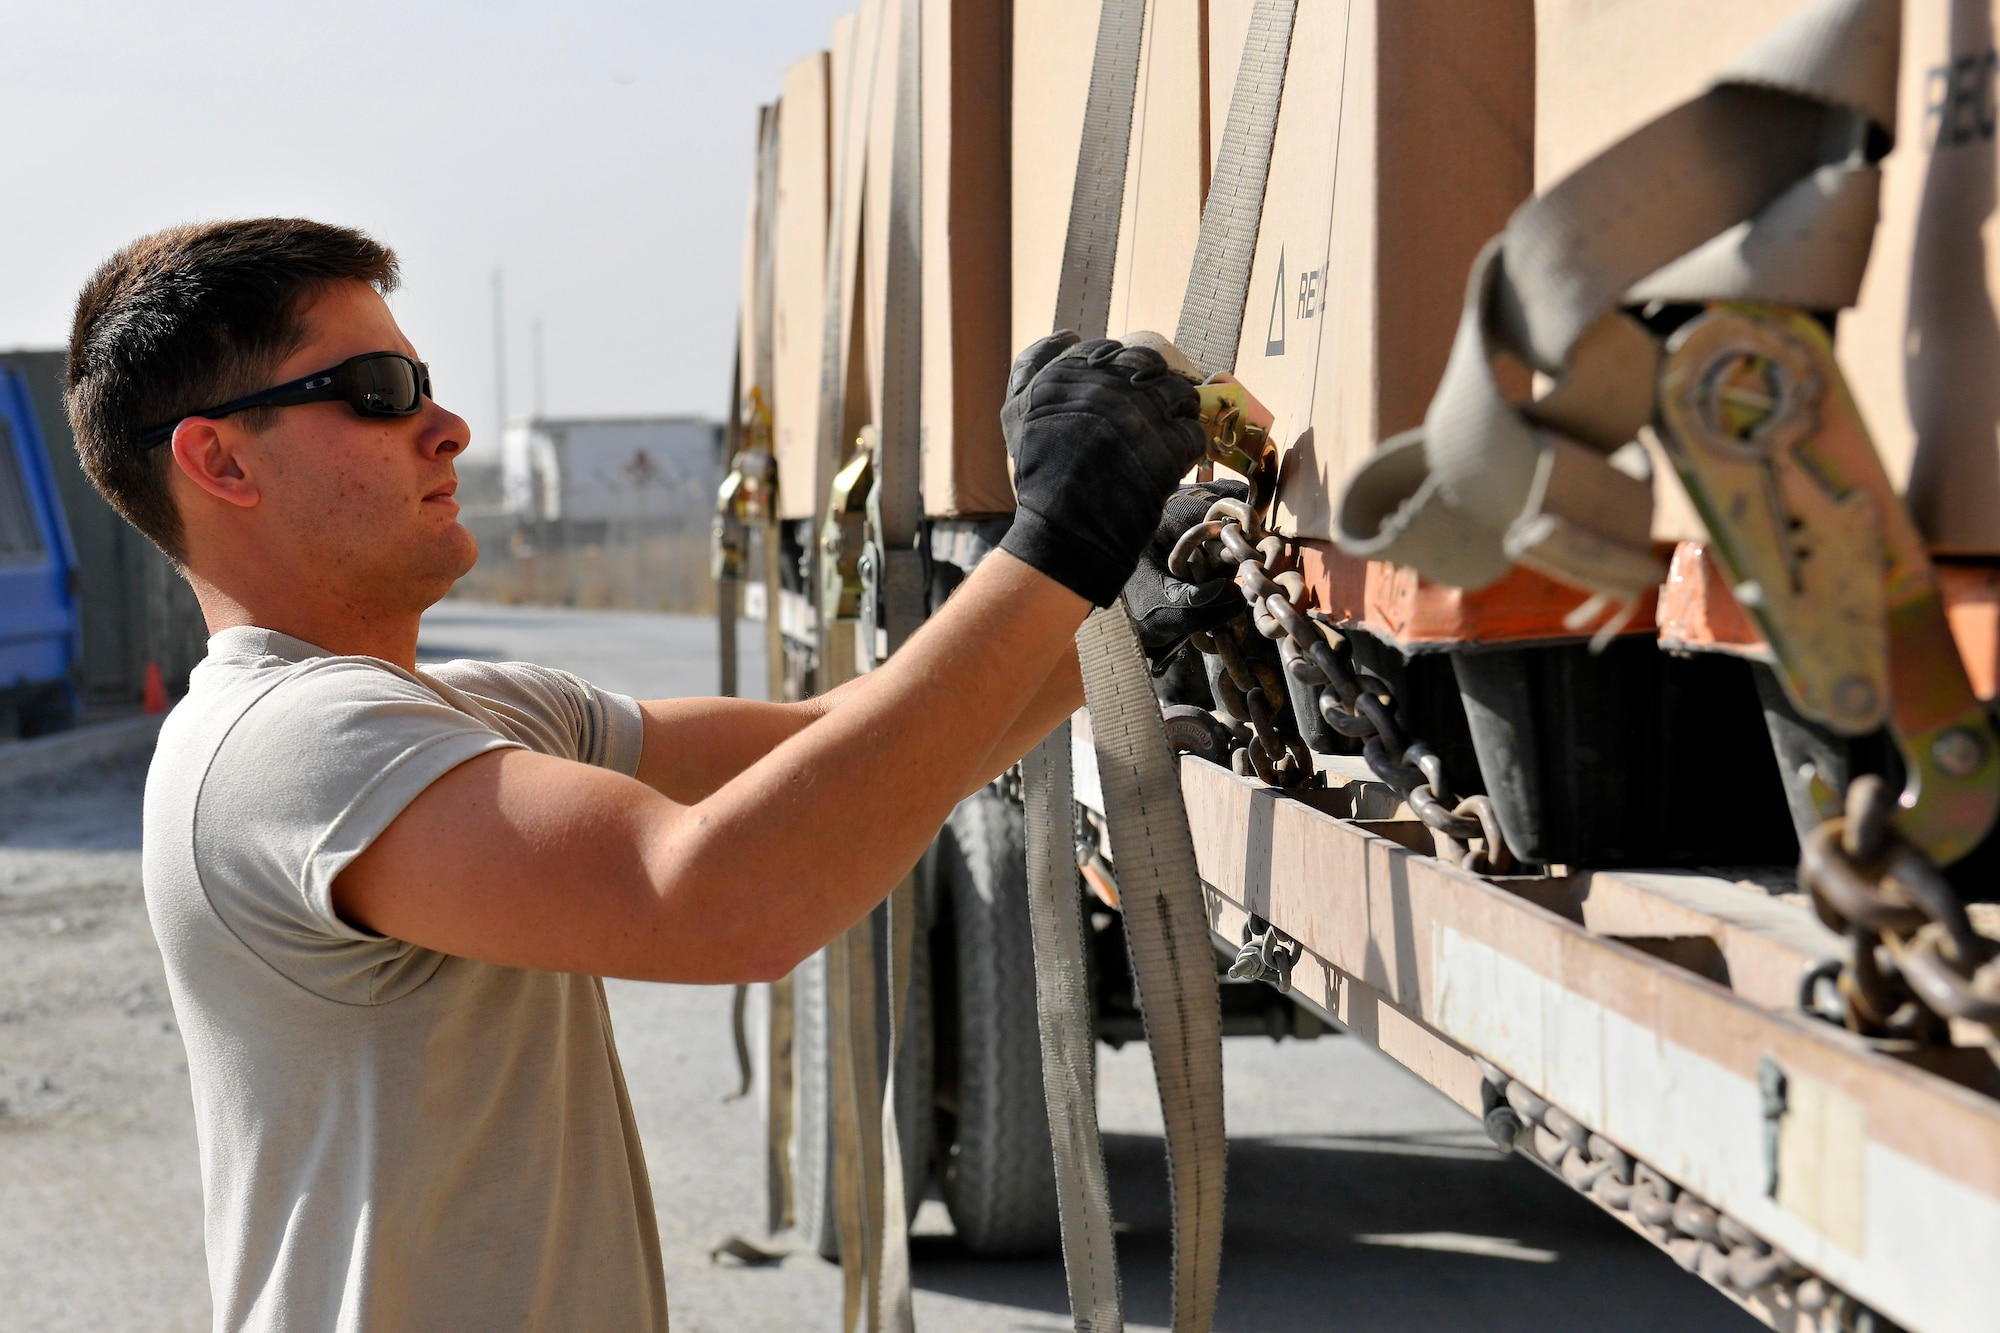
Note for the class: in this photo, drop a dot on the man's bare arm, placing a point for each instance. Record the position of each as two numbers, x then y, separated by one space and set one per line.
695 746
530 861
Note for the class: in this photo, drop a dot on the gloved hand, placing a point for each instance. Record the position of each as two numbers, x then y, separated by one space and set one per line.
1099 433
1166 608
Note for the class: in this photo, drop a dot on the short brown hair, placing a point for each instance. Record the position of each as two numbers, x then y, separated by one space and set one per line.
187 318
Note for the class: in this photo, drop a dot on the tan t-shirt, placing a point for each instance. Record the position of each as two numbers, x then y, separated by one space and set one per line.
391 1138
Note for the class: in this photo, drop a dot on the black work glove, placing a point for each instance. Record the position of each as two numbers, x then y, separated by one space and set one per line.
1099 433
1166 608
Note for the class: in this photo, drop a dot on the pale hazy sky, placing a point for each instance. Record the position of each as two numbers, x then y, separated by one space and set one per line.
598 150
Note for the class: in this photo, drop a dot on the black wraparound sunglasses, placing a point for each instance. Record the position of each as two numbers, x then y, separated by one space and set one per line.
374 384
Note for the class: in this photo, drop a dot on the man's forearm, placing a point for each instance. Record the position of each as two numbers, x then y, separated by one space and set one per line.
807 839
694 747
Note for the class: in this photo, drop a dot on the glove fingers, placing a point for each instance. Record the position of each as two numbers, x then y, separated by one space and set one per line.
1036 356
1182 593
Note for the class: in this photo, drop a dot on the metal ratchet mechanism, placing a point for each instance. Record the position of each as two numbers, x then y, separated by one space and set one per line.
1822 554
1825 558
1237 442
843 537
746 494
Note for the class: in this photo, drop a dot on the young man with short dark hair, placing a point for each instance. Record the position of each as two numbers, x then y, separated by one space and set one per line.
385 895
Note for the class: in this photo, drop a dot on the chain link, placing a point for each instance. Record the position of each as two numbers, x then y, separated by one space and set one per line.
1917 961
1701 1238
1230 541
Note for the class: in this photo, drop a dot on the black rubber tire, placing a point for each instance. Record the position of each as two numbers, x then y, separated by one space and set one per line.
814 1216
997 1170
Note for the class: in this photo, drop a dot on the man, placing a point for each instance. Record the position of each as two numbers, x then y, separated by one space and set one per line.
384 896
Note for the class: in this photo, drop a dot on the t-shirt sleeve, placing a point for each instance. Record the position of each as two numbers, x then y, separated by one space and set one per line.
552 711
308 777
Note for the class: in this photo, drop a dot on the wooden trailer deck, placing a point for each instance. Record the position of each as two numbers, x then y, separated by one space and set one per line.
1643 1004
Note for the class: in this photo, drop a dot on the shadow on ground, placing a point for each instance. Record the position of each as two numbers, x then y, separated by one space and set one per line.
1293 1260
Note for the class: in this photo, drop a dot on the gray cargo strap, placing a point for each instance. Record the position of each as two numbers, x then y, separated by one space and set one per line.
1063 1010
897 511
1762 188
856 1100
1166 914
1166 918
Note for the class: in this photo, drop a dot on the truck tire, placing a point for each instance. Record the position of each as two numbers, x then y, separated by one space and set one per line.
996 1169
815 1217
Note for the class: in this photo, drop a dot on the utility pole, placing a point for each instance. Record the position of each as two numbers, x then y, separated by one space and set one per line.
499 357
541 379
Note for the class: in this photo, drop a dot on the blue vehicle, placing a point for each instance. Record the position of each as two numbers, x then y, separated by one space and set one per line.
40 624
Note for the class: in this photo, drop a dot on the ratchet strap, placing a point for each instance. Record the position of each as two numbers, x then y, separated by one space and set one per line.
872 1204
1063 1011
1762 188
1166 920
854 1047
896 513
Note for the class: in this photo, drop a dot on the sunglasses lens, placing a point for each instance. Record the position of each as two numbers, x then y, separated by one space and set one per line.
387 386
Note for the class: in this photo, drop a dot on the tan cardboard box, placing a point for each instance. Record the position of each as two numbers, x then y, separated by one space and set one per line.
1054 41
967 301
1166 172
1404 141
877 147
1922 348
798 279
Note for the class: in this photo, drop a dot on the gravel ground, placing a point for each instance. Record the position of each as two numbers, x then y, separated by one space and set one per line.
1358 1197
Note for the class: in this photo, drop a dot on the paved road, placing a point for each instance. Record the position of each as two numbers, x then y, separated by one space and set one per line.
1359 1198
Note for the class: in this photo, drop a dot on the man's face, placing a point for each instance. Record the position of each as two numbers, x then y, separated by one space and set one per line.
361 505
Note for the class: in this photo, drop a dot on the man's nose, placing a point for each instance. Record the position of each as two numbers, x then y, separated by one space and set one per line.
446 432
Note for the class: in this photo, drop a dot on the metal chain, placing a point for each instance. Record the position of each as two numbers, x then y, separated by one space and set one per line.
1917 961
1701 1238
1230 540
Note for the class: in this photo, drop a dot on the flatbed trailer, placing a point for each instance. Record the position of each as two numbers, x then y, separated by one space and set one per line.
1606 953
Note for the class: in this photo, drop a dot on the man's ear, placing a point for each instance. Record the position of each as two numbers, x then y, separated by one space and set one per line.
207 456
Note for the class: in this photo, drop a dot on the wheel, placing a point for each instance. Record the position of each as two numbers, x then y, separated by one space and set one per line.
815 1216
997 1172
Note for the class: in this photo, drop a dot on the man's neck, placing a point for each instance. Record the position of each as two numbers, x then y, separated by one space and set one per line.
342 630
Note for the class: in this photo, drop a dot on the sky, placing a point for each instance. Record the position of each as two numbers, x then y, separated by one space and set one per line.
598 152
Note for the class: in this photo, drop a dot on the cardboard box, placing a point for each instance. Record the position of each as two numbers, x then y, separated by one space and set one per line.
1404 142
1054 42
967 292
1166 172
1922 347
798 280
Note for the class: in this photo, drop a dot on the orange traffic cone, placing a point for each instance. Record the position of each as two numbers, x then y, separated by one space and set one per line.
156 689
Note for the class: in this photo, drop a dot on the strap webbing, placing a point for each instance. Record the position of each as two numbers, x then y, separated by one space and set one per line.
850 958
1062 992
899 512
1166 919
1069 1041
1090 246
899 505
857 1112
1219 278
